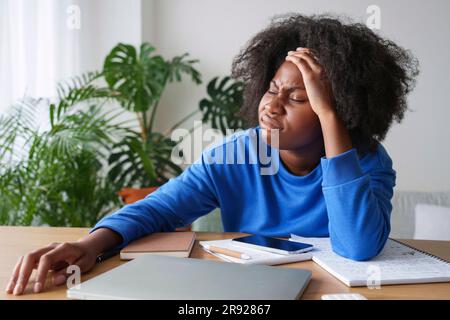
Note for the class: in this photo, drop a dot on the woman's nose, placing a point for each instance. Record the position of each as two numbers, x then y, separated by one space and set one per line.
274 107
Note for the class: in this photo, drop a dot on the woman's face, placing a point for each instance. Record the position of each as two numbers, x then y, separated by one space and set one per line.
285 107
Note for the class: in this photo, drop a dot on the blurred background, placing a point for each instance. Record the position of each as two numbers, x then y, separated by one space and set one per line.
61 62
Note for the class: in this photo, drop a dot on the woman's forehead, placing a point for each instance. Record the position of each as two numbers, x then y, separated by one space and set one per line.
288 75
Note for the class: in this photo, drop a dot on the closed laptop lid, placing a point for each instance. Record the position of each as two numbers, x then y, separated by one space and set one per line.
170 278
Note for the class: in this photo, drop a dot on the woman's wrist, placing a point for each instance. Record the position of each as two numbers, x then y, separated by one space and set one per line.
335 135
101 240
327 114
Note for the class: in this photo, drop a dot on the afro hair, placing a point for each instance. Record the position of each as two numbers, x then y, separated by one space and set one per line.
370 76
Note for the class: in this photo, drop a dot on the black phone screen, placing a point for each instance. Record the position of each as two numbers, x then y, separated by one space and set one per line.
273 243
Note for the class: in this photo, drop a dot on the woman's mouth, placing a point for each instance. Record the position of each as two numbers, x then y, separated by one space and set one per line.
271 123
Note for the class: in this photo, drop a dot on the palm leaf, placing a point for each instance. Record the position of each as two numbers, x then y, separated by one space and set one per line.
179 65
136 76
223 104
133 163
17 127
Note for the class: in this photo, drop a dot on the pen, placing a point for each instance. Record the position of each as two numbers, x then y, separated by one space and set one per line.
106 255
228 252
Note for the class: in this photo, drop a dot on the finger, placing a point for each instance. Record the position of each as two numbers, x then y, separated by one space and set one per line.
58 272
305 69
16 272
60 277
310 51
313 62
44 266
54 257
15 275
58 265
26 268
29 262
304 49
42 251
314 65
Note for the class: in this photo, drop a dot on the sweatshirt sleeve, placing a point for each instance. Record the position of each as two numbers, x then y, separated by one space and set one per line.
358 202
177 203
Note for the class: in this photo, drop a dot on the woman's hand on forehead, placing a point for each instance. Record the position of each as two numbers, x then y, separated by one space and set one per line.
318 87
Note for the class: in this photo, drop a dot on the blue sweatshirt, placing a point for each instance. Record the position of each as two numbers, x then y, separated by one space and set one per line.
346 197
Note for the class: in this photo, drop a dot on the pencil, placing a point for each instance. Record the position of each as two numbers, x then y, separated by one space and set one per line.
228 252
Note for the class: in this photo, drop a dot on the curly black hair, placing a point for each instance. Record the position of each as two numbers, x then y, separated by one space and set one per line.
370 76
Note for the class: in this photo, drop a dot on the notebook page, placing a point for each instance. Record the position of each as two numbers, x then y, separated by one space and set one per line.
257 256
396 264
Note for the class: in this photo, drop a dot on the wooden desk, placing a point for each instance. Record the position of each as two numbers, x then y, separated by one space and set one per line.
17 241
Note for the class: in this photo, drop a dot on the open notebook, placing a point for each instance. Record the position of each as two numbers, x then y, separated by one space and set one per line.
396 264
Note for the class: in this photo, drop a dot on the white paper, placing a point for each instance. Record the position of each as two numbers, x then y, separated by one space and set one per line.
257 256
395 264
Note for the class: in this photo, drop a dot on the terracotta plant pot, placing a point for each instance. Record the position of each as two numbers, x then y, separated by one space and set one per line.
131 195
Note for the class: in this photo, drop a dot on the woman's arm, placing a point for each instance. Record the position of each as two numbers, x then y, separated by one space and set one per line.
56 257
358 203
177 203
335 136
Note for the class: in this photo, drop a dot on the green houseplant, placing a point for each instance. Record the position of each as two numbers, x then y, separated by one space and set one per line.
55 176
69 174
142 158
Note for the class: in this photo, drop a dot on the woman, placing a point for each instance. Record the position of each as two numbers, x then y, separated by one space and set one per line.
329 91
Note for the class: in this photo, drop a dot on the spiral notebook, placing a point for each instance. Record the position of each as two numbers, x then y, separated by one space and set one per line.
396 264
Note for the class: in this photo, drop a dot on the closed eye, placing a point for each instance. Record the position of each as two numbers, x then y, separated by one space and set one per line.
299 101
295 100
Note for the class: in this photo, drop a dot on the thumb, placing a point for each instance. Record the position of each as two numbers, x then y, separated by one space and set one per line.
60 277
82 265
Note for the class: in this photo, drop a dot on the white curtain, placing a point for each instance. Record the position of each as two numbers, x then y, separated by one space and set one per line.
38 48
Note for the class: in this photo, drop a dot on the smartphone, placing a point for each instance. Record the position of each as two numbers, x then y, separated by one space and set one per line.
272 244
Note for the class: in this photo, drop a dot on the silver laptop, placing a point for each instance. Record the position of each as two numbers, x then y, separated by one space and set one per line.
170 278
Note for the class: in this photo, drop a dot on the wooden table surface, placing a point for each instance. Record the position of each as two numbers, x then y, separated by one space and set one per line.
17 241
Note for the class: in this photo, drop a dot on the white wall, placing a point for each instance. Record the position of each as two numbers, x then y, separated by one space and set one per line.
105 23
214 31
38 49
